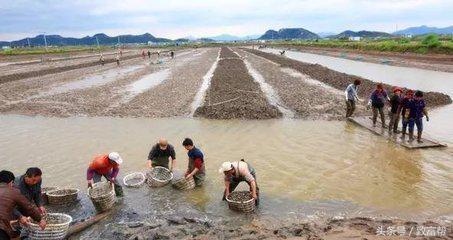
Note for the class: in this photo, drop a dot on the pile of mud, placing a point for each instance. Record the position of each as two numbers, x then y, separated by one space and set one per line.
233 94
340 80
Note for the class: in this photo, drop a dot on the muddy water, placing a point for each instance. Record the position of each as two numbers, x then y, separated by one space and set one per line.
439 127
304 167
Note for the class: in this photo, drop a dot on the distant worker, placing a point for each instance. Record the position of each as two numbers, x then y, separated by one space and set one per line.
404 111
237 172
117 60
10 199
417 111
160 155
143 54
282 52
377 102
195 166
351 97
121 52
172 54
106 166
395 102
102 60
29 185
149 54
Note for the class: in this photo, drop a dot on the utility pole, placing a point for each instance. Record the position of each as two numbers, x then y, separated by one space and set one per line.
28 40
45 40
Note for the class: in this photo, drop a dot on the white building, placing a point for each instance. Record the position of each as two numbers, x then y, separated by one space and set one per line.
355 38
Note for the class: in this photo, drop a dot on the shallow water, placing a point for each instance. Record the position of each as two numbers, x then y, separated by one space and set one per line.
303 167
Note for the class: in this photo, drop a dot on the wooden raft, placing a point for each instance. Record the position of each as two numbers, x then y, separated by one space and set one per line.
367 123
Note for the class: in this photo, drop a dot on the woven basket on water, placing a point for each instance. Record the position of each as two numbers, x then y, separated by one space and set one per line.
158 177
62 196
57 227
44 192
102 194
241 201
184 184
135 179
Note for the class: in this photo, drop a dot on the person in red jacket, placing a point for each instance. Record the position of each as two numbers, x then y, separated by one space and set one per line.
106 166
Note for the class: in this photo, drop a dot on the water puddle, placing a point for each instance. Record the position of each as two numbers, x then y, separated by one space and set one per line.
147 82
199 97
271 95
310 81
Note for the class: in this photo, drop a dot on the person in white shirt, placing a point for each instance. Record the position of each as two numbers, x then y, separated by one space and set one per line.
236 172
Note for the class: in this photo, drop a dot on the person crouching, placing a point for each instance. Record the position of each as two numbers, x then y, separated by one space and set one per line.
106 166
236 173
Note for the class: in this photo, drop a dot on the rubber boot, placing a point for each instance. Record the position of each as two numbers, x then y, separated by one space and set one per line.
419 137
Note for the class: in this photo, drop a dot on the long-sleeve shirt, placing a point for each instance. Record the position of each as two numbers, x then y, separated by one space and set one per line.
351 92
10 199
32 193
378 98
156 152
102 166
196 160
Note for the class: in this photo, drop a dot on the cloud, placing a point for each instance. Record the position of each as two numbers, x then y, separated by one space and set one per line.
179 18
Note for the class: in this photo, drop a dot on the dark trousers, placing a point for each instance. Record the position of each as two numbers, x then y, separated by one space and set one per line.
394 119
379 110
350 107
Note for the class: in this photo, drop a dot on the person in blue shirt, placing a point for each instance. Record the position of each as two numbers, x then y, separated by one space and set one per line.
377 102
195 166
417 111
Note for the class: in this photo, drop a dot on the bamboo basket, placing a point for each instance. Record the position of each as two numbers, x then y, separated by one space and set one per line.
241 201
44 192
57 227
102 194
135 179
184 184
62 196
158 177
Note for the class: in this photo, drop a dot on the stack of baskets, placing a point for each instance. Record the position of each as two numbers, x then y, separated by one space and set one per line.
184 184
62 196
44 192
158 177
57 227
135 179
102 194
241 201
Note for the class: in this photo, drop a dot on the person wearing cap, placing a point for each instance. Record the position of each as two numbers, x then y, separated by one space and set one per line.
417 111
237 172
106 166
160 155
195 166
395 102
352 97
377 102
404 110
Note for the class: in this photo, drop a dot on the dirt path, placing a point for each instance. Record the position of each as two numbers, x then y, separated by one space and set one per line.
436 62
309 98
341 80
233 93
111 95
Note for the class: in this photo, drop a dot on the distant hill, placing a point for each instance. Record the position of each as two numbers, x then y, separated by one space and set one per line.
103 39
289 33
424 30
363 34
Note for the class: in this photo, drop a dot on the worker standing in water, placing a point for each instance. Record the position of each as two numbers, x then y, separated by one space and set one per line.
102 60
106 166
395 102
172 54
351 97
236 173
377 102
149 54
417 111
160 155
195 166
117 59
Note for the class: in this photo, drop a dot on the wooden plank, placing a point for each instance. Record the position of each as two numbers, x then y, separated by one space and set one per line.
396 138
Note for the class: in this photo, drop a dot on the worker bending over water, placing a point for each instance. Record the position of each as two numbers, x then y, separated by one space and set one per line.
106 166
195 166
236 173
160 155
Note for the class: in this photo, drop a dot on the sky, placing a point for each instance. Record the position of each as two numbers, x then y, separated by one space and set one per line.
203 18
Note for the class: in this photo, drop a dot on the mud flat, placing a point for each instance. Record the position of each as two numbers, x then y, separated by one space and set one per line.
341 80
308 98
233 93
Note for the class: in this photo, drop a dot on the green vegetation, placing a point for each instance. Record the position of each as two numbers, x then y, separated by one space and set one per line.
421 44
53 50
